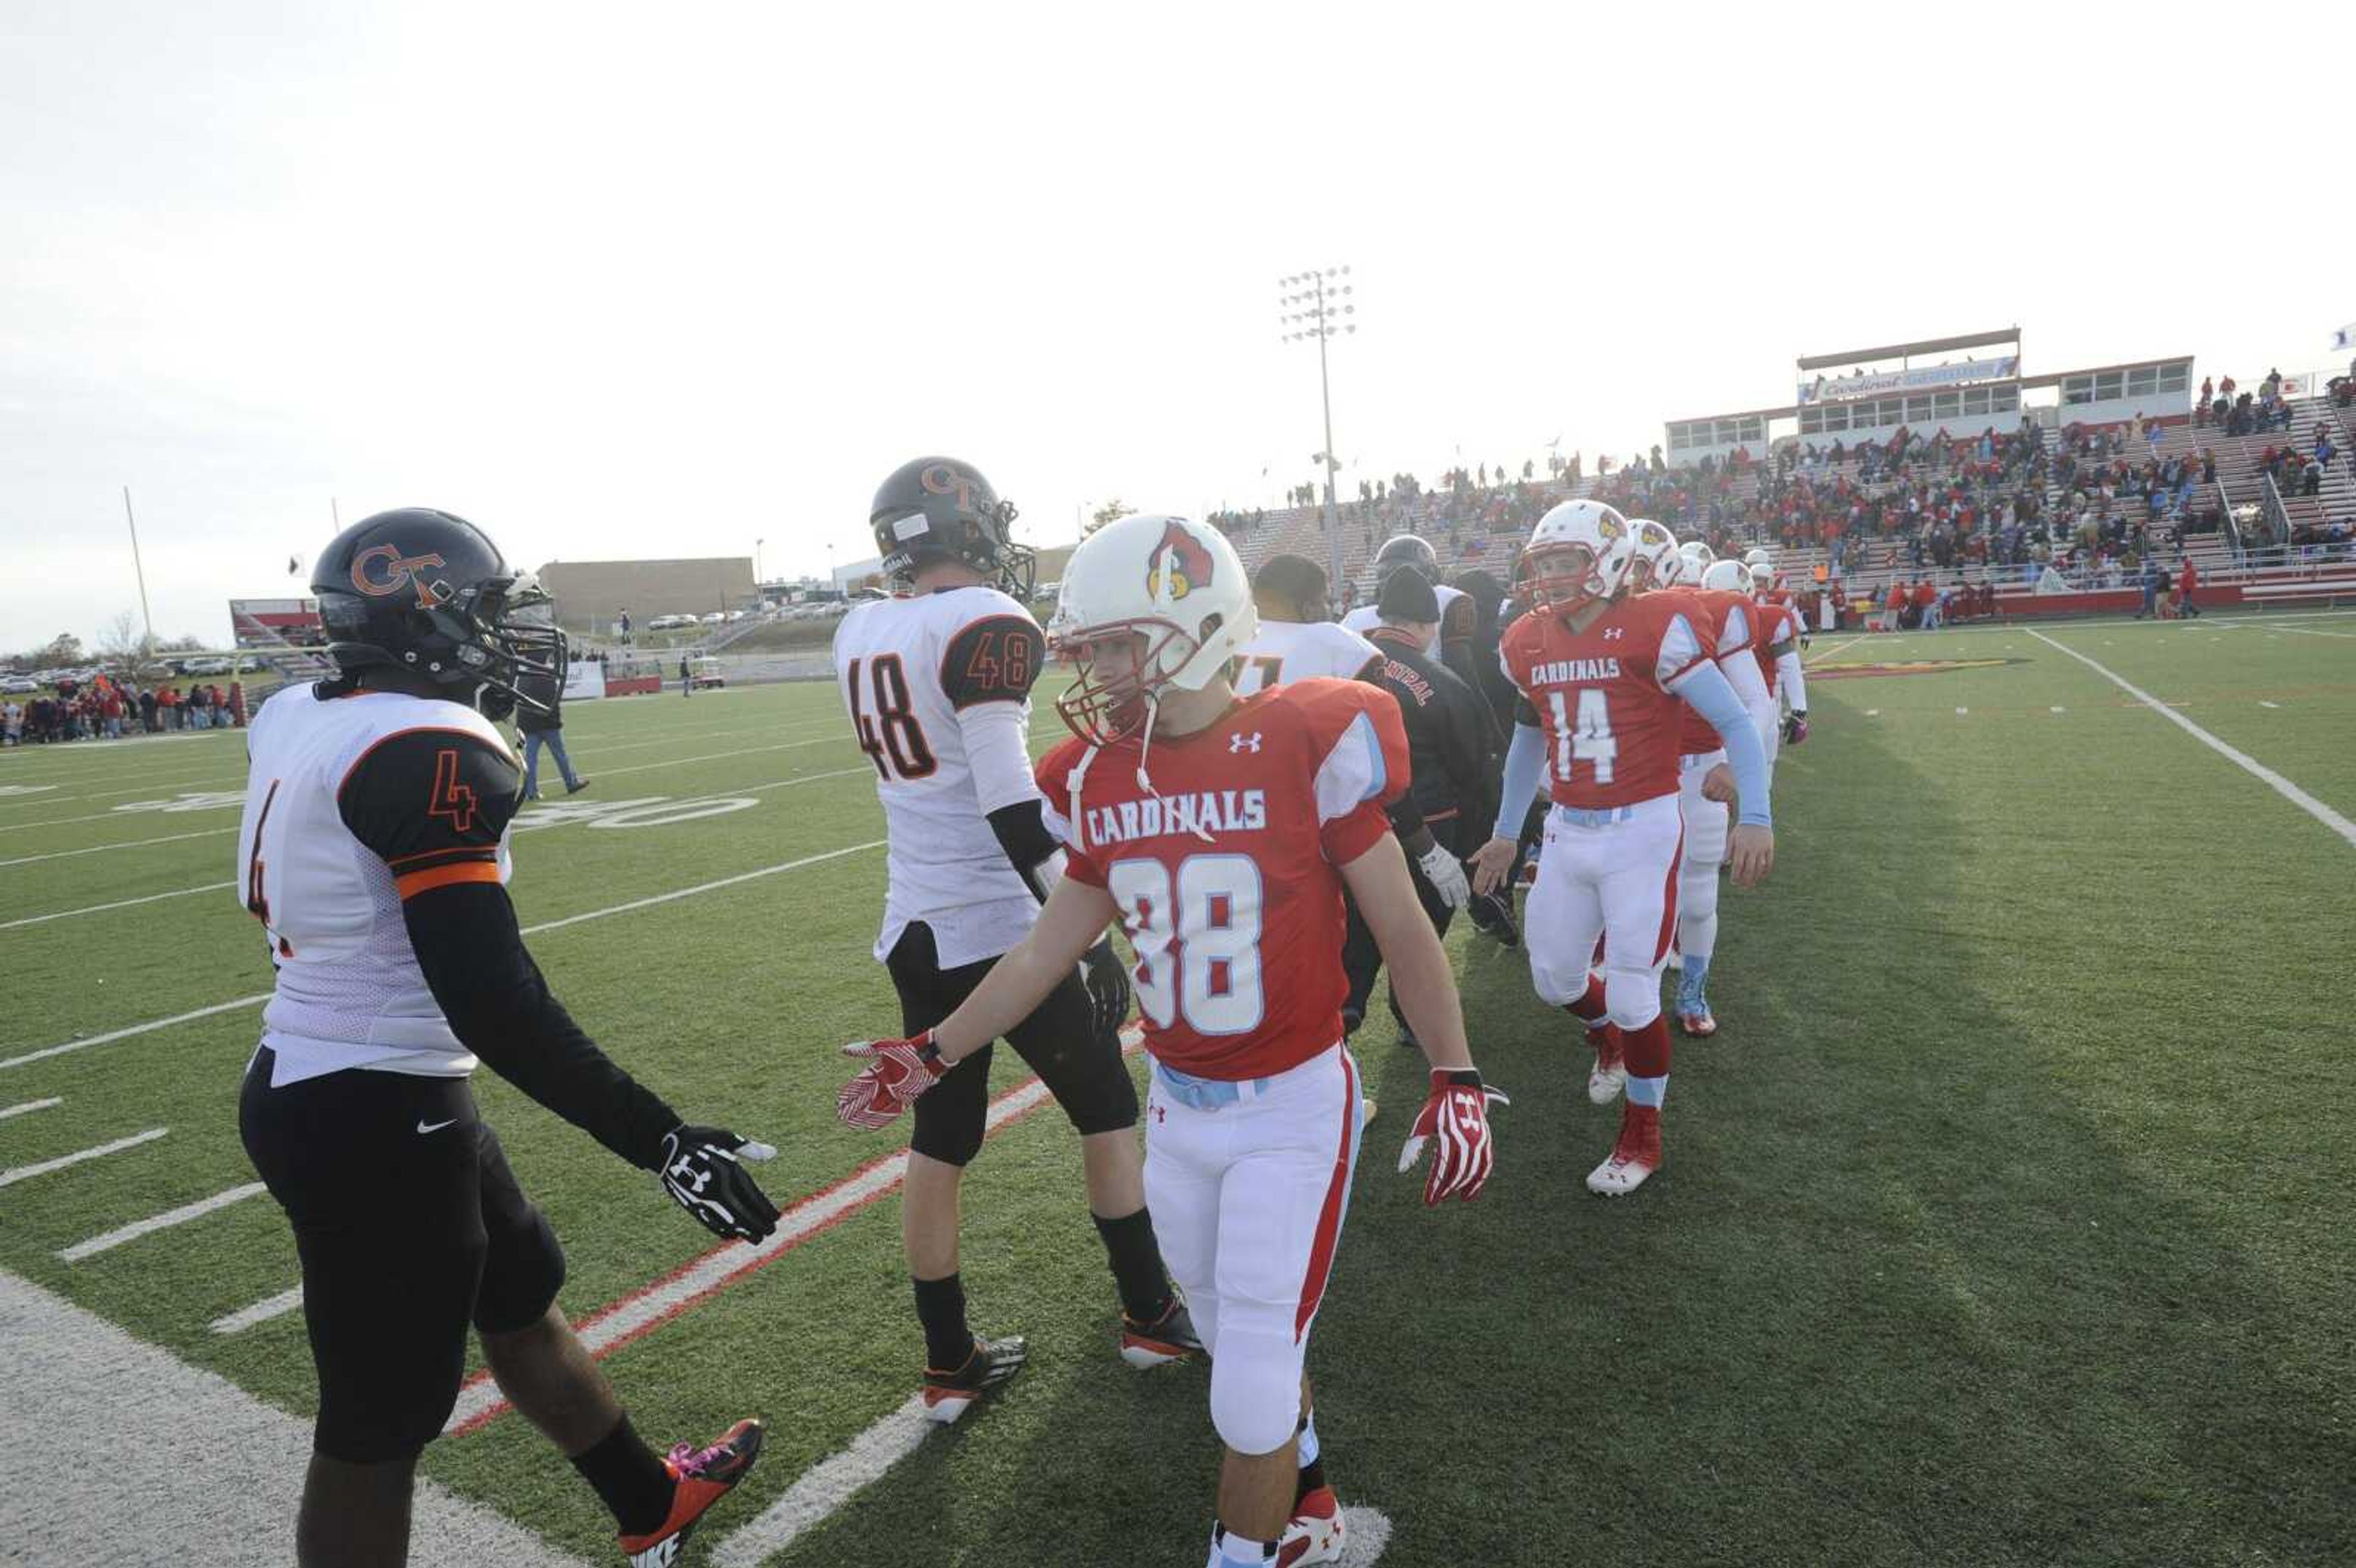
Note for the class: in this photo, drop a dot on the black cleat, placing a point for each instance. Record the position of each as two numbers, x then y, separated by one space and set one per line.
948 1394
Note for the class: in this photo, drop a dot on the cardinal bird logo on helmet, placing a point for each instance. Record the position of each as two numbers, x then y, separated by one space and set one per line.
1182 558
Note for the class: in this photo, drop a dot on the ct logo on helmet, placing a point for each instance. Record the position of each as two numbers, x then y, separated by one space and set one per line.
940 479
398 571
1182 558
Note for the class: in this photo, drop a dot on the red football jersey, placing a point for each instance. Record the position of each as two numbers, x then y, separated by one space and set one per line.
1604 698
1777 624
1732 623
1228 870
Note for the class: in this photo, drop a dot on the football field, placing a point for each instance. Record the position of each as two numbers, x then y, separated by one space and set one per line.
2006 1220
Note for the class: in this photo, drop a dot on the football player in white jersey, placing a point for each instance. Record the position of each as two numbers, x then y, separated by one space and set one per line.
938 684
1452 644
373 850
1296 639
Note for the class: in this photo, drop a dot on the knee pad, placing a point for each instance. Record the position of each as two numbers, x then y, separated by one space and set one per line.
1255 1388
1557 984
1633 995
520 1277
1696 891
948 1122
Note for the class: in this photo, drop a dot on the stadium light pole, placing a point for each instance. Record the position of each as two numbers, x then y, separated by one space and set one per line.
1312 305
145 619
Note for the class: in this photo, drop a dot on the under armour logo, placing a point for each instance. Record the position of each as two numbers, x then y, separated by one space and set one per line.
1612 633
1244 742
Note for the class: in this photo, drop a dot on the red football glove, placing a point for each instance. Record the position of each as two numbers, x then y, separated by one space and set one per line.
1457 1116
897 1070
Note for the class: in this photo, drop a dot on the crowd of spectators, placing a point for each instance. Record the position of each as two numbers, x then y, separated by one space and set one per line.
2237 413
106 708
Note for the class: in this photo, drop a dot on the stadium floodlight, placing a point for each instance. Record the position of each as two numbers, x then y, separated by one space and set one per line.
1314 304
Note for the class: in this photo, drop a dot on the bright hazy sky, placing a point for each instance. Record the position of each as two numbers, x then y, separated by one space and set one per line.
660 279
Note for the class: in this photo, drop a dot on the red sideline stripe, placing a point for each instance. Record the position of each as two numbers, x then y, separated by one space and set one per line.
1669 899
633 1317
1329 1218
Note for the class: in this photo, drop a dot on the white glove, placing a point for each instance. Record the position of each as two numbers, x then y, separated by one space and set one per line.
1445 872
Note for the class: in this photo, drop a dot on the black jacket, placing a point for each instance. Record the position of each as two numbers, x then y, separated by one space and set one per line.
540 688
1449 731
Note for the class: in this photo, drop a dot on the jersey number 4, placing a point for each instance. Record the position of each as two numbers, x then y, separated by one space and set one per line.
894 739
1590 740
1210 915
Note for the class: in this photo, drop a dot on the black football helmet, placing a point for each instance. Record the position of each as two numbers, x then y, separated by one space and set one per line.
428 592
940 506
1406 550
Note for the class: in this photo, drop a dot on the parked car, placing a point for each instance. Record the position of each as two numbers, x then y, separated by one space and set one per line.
19 685
707 672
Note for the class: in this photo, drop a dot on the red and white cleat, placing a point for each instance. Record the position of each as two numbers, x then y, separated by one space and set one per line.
1168 1338
1699 1023
1315 1535
1636 1156
949 1394
705 1476
1610 1073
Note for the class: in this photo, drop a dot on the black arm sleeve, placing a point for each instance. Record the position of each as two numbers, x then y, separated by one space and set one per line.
1023 835
432 804
499 1004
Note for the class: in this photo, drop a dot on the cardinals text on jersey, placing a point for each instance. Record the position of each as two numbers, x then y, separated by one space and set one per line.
1227 870
1602 696
924 679
354 803
1302 650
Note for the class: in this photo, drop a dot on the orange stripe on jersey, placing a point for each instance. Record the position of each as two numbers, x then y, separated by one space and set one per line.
425 881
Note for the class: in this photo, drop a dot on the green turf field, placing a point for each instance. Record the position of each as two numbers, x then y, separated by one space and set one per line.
2006 1220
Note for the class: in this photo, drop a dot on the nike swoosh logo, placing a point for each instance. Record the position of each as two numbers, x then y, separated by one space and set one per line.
424 1127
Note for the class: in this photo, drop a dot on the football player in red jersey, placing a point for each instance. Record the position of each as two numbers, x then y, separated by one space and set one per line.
1782 634
1221 833
1604 678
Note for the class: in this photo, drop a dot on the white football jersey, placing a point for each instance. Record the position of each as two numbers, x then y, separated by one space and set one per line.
349 993
937 686
1366 618
1300 650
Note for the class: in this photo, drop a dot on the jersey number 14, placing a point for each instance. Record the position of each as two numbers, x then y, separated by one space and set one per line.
1588 740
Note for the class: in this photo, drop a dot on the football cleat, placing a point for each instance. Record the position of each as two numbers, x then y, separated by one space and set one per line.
1493 913
1168 1338
702 1476
1610 1073
1676 961
1697 1021
948 1396
1315 1533
1636 1156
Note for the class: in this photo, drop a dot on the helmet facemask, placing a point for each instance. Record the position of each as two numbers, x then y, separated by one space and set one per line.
1103 705
1564 577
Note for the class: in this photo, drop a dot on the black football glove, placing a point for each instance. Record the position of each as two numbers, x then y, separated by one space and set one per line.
702 1171
1108 983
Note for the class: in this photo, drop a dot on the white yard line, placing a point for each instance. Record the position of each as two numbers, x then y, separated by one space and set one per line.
261 1311
218 1471
2317 632
1817 658
260 997
844 741
824 1487
2275 781
103 848
31 1105
155 1222
224 782
23 1172
119 903
119 814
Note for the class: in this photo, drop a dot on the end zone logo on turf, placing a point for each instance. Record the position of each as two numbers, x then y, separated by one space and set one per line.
1904 667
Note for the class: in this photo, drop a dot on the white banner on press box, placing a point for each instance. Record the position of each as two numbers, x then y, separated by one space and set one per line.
583 678
1839 388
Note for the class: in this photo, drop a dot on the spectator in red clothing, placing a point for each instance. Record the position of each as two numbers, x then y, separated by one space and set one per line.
1926 599
2188 578
1896 607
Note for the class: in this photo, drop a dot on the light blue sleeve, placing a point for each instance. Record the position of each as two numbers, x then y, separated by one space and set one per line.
1705 691
1524 768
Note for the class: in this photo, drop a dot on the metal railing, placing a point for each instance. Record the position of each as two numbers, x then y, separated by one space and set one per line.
2277 515
2232 528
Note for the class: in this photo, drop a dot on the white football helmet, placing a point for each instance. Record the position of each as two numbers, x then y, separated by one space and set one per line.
1175 584
1579 553
1652 556
1759 555
1727 577
1699 560
1762 576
